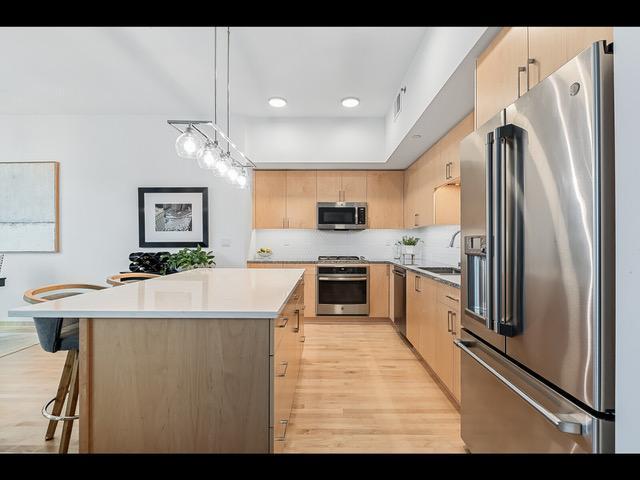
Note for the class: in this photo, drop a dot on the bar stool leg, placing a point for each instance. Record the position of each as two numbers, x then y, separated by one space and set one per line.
72 401
63 388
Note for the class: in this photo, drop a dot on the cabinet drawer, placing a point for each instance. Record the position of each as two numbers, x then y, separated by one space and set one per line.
449 296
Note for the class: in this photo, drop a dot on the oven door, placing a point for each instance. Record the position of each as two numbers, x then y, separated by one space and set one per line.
332 216
343 295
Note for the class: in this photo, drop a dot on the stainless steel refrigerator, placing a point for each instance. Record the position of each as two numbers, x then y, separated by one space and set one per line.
537 342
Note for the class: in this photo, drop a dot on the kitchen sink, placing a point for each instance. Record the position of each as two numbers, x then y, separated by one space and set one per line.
442 270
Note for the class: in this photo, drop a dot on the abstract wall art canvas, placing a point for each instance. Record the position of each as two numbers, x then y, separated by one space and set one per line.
173 216
29 218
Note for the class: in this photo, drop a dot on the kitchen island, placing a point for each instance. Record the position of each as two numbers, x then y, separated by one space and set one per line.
199 361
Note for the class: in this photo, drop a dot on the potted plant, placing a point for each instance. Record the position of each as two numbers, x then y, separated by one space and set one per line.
187 259
408 244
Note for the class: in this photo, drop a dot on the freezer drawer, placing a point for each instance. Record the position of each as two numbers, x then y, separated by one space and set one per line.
506 410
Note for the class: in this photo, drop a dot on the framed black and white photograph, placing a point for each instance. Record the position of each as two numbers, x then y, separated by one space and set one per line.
173 216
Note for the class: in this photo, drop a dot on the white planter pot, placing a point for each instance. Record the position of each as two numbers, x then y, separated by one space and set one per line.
409 249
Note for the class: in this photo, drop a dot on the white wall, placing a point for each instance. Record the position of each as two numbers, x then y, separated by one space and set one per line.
281 142
440 53
103 160
304 245
627 106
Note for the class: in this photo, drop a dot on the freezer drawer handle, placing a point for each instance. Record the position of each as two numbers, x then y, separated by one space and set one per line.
562 425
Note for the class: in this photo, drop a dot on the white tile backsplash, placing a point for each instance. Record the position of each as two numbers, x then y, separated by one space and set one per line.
372 244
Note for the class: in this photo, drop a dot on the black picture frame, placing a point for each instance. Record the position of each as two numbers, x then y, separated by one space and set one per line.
205 216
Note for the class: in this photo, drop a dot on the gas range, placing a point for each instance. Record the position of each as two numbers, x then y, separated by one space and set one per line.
333 259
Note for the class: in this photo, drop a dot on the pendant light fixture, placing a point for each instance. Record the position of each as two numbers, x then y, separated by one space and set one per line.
194 142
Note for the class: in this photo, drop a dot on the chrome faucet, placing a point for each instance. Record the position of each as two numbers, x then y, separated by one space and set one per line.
453 237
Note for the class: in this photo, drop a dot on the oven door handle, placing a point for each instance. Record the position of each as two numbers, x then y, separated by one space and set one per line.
343 279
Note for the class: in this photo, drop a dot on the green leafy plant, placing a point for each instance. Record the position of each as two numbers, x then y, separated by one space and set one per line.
406 240
187 259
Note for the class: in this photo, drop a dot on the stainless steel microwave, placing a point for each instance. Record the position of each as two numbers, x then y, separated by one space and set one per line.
342 216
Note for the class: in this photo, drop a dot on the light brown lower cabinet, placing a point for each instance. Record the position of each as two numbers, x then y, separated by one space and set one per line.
432 325
285 365
378 290
138 396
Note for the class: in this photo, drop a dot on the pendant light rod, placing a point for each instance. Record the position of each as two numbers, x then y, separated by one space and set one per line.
215 80
228 94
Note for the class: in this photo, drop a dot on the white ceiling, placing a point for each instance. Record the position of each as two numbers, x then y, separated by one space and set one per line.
164 70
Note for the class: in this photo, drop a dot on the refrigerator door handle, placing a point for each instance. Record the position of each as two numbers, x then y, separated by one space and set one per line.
507 227
489 314
565 426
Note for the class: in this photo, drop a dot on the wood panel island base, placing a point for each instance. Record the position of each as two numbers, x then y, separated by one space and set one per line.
200 361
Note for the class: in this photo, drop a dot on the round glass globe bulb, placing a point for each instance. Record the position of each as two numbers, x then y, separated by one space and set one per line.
208 156
188 144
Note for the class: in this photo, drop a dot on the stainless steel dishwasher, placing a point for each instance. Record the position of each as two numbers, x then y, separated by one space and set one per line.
400 299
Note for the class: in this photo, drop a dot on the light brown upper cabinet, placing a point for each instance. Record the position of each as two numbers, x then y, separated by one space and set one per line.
384 198
270 198
342 186
301 199
354 186
448 170
501 73
285 199
420 180
520 57
552 47
446 205
329 186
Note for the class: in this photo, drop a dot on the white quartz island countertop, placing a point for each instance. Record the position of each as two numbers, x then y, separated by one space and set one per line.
200 293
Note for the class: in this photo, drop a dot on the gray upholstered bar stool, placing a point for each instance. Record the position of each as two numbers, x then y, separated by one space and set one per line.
125 278
58 334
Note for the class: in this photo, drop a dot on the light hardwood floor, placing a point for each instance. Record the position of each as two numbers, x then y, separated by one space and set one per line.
361 389
28 379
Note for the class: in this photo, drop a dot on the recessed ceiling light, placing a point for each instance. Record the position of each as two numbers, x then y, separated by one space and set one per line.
277 102
350 102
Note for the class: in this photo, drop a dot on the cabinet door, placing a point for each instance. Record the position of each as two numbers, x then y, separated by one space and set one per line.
329 186
426 179
384 198
443 364
270 198
456 357
446 202
547 52
442 172
409 200
414 300
379 290
460 131
428 325
499 81
301 199
354 186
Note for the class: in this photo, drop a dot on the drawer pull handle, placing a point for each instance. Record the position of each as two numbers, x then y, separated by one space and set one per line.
284 432
285 320
284 371
452 298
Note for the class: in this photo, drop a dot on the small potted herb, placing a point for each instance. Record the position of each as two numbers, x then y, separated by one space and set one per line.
187 259
408 244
